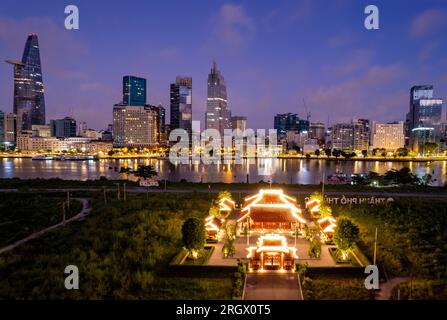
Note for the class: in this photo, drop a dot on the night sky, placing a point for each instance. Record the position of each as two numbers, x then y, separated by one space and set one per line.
271 53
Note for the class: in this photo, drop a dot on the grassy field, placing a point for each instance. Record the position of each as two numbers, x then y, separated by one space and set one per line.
335 287
122 251
23 214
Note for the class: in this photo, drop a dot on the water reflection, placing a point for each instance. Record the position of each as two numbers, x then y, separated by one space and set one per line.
277 170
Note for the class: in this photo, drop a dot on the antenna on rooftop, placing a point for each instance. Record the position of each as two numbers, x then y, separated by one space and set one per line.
307 111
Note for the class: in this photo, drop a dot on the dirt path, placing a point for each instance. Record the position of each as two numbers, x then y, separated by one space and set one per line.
387 287
85 211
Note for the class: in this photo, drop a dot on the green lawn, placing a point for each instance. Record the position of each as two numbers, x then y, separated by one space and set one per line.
122 251
24 213
335 287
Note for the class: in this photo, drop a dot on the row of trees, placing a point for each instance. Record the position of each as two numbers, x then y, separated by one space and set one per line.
403 176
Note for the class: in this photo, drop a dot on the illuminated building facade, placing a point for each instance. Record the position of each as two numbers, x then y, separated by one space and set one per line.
389 136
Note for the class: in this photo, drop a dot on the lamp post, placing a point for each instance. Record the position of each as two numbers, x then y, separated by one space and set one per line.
118 191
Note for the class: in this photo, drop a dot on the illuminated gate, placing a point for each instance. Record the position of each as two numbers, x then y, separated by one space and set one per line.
272 253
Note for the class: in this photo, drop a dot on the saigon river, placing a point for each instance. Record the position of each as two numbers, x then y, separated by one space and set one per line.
302 171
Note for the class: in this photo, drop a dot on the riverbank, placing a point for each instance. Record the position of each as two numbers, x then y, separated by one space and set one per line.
283 157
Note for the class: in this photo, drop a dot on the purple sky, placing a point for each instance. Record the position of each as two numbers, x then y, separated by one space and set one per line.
271 53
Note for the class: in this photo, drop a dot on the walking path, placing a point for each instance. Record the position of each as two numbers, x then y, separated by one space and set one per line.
386 288
272 285
85 211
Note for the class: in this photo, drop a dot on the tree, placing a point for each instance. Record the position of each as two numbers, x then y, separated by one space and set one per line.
430 148
223 194
328 152
317 152
364 153
314 248
336 153
145 172
325 211
193 235
402 152
345 236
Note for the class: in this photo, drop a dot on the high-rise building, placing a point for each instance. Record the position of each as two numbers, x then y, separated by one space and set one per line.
181 104
424 120
29 102
284 122
352 136
162 123
133 126
218 115
238 122
317 131
389 136
65 127
342 136
10 128
361 134
2 128
134 91
41 130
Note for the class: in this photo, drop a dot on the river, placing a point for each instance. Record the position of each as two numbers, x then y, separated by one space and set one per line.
277 170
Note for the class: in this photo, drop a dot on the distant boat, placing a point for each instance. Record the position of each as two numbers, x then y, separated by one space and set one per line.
76 158
42 158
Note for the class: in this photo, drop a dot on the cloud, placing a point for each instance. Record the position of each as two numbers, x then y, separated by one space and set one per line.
234 28
426 22
356 95
287 14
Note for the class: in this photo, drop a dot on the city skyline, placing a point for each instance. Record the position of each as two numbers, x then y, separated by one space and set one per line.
337 65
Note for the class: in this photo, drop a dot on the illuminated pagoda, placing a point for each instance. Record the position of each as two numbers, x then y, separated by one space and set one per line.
272 253
313 205
271 209
327 225
226 206
213 226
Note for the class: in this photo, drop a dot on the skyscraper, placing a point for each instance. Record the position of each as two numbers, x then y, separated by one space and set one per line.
181 104
134 91
424 119
217 116
361 131
29 102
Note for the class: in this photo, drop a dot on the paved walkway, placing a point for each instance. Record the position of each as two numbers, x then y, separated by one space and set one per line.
85 211
386 288
272 286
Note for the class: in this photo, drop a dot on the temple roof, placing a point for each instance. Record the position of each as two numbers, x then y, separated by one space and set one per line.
271 205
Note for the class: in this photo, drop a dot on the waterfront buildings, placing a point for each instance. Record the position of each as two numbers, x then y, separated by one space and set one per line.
181 104
134 91
342 136
8 128
28 142
29 102
352 136
218 115
65 127
284 122
317 131
361 134
134 126
41 130
424 120
389 136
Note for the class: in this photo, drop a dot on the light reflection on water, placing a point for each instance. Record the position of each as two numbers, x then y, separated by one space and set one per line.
277 170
